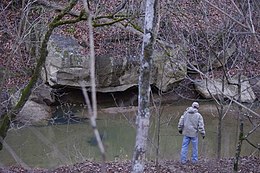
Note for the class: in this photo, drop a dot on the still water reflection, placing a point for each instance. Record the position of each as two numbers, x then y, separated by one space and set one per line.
54 145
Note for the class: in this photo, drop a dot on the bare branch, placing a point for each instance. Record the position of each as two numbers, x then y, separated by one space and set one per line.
240 12
93 114
250 17
228 15
119 8
252 131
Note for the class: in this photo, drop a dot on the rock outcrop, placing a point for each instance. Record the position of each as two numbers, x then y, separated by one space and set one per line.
68 65
213 89
36 110
65 64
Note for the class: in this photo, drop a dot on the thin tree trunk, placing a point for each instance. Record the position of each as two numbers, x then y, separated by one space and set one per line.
220 131
241 128
143 117
93 109
220 116
158 136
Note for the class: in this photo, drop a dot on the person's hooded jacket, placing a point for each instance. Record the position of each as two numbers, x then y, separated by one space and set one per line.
191 122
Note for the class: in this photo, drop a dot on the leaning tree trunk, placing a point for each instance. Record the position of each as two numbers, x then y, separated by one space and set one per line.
8 117
143 117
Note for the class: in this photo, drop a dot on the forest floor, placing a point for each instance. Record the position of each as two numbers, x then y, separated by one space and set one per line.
246 165
18 63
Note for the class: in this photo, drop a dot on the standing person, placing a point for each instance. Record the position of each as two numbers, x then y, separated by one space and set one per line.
190 123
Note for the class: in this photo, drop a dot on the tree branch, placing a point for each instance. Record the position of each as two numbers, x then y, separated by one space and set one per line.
228 15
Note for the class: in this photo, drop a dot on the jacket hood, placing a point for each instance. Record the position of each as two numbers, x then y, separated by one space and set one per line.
192 110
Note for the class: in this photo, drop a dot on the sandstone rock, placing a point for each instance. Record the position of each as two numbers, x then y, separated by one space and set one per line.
43 94
170 69
67 65
36 110
255 83
34 113
213 87
116 74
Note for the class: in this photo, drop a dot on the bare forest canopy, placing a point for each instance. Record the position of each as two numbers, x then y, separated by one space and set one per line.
204 28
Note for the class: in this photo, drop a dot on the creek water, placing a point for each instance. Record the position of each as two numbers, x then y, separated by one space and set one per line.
54 145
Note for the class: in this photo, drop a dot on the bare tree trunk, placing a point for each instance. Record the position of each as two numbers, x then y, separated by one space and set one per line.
158 135
143 117
241 128
220 116
220 131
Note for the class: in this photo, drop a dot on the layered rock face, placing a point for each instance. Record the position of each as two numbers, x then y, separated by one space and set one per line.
68 65
213 89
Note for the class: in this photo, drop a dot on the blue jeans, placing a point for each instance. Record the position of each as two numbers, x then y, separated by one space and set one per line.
185 146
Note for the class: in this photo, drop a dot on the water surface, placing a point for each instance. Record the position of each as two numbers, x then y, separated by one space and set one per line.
54 145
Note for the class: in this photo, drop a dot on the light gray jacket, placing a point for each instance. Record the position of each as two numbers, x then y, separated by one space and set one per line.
191 122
